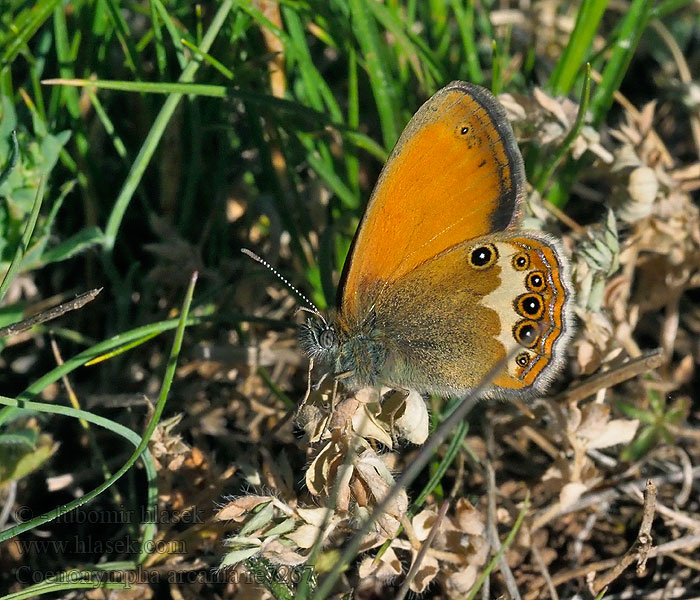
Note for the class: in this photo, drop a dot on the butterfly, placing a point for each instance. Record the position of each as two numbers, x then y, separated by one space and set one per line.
440 286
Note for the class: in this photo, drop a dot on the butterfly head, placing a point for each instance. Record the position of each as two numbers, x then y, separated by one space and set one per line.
320 340
354 353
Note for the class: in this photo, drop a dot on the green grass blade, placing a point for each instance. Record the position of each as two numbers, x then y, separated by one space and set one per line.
24 242
546 173
93 352
569 64
36 17
442 467
326 264
405 45
501 551
329 175
174 34
228 73
366 143
147 87
40 589
633 24
309 115
75 244
121 349
352 163
315 85
149 531
465 21
665 8
123 35
380 79
496 71
316 91
275 390
161 59
107 124
154 135
64 56
12 160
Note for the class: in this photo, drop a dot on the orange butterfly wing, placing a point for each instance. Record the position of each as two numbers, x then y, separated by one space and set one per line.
455 174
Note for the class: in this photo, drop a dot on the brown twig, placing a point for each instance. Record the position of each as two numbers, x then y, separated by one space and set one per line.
563 217
73 399
413 571
410 532
607 495
49 314
584 570
544 571
683 494
680 518
594 383
459 476
72 396
639 551
685 561
508 577
683 543
9 502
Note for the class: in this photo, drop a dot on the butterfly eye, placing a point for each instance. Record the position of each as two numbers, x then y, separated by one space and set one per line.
523 359
327 339
525 333
521 261
529 305
535 281
483 256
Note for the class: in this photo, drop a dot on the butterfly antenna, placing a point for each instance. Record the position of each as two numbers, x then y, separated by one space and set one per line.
312 308
315 313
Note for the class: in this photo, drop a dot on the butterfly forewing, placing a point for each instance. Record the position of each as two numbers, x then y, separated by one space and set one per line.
455 174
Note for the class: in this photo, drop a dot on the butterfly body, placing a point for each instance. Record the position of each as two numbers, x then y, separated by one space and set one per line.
440 286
